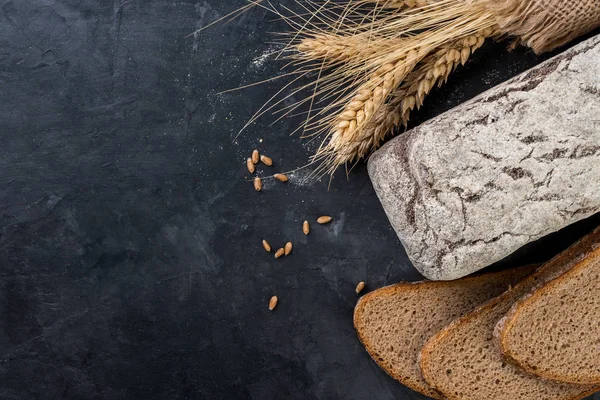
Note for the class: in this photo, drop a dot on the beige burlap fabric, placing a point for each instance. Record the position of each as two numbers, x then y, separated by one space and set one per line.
545 24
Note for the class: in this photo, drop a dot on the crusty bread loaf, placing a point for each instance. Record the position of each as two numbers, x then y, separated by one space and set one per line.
555 331
462 362
395 321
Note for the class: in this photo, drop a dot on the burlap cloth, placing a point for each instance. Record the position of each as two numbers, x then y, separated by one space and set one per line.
545 24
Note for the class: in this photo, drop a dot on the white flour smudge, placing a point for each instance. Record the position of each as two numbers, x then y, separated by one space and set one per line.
269 53
301 178
260 61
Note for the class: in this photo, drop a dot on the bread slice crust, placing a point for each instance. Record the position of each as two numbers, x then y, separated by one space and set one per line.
465 294
587 362
462 359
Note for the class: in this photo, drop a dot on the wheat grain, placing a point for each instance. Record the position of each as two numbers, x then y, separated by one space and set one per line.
266 245
281 177
279 252
306 227
288 248
359 287
258 184
325 219
250 166
266 160
273 303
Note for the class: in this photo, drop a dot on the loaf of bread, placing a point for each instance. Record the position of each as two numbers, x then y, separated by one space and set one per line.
554 332
395 321
463 363
471 186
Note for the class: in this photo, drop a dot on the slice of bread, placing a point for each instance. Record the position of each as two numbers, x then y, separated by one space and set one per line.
554 332
462 362
395 321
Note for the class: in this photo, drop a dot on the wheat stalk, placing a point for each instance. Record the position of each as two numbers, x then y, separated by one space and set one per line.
358 53
434 69
348 125
363 123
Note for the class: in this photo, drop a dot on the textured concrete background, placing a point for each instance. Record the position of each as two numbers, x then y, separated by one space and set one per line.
131 265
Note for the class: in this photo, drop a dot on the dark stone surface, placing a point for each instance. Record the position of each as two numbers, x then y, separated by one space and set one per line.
131 265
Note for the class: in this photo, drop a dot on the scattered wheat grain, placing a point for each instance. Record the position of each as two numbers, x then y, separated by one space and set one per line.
279 253
266 245
273 303
281 177
257 184
325 219
360 287
250 166
266 160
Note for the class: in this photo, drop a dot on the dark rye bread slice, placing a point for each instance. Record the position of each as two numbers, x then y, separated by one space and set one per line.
554 332
462 362
395 321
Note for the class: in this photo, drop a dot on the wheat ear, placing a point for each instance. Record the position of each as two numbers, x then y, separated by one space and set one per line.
434 69
362 124
349 124
338 48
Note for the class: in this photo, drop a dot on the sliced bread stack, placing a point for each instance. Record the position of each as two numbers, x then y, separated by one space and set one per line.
439 339
394 322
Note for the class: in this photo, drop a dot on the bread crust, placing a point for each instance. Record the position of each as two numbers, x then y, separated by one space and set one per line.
508 322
